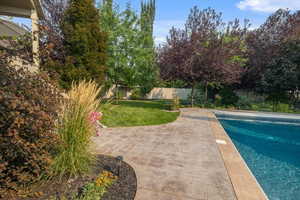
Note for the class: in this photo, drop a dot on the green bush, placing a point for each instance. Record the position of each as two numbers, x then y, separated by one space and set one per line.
244 103
228 97
75 130
175 104
209 104
282 107
199 96
120 93
29 107
218 100
136 94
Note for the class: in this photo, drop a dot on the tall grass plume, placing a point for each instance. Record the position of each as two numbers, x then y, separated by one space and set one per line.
75 130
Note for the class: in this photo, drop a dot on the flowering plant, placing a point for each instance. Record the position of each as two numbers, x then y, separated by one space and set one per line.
94 118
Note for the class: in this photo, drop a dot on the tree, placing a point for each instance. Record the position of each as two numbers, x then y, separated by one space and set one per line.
206 51
173 55
147 18
52 50
130 45
264 45
281 79
147 68
84 43
273 57
51 33
122 46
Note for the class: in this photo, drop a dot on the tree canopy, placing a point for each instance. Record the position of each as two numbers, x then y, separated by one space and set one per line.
206 51
130 45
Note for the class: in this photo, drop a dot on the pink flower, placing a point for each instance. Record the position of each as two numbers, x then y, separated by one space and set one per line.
98 133
95 116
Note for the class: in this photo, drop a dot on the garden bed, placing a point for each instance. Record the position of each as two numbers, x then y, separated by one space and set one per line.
124 188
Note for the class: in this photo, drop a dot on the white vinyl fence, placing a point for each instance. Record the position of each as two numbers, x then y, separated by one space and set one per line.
169 93
157 93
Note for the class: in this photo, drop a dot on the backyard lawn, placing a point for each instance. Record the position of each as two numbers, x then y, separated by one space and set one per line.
137 113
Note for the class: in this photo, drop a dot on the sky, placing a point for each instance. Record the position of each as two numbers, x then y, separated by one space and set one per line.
175 12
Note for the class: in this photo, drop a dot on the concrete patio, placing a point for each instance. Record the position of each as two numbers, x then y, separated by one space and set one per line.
176 161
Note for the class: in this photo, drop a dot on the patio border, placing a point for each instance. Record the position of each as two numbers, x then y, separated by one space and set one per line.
243 181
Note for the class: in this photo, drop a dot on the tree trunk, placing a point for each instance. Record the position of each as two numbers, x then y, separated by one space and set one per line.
275 105
117 93
206 92
193 94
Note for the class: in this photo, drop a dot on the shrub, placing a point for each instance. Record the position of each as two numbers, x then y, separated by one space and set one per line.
119 93
29 106
228 97
255 107
199 96
75 130
282 107
244 103
136 94
175 104
209 104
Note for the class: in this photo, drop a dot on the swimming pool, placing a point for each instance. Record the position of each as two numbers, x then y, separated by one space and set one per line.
270 145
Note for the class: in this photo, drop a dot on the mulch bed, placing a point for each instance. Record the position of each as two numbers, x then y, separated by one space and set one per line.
123 189
126 185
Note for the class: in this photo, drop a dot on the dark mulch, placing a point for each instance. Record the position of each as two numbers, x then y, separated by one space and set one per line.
123 189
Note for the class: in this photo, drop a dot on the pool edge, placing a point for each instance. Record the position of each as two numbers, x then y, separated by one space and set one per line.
244 183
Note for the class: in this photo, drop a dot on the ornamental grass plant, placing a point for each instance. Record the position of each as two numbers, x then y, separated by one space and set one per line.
75 130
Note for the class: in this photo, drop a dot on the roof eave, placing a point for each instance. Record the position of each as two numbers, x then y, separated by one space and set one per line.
39 9
22 12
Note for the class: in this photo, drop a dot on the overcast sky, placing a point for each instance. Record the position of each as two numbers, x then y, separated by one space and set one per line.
174 12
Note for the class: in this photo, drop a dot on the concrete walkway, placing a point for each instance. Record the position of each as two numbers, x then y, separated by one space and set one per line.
176 161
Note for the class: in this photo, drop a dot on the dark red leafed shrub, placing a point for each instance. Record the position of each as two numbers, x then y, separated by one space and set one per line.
29 107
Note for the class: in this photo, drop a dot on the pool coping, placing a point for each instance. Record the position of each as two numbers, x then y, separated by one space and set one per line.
260 115
244 183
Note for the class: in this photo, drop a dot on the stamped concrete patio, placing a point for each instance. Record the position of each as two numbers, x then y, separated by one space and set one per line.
176 161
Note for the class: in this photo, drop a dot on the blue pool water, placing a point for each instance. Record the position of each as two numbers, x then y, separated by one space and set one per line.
271 149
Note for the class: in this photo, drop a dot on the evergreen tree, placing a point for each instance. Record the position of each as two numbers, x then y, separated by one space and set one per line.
147 22
85 43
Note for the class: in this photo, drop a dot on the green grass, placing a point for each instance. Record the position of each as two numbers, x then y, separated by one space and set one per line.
137 113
